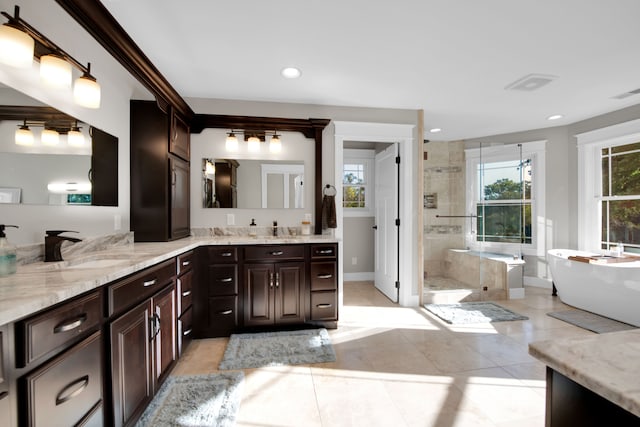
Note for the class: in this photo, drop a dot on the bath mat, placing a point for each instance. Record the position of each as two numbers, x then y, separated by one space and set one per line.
590 321
473 312
195 400
278 348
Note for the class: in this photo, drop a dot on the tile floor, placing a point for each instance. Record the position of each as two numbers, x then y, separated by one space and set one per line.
403 367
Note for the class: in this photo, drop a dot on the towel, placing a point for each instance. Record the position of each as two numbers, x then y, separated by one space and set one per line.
329 212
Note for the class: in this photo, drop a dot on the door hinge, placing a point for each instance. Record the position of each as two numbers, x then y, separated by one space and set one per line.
397 160
397 284
397 222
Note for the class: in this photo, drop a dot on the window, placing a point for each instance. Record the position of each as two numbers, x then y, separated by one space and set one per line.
505 197
357 182
609 188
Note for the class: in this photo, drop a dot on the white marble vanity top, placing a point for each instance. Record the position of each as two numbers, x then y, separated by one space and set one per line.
607 364
40 285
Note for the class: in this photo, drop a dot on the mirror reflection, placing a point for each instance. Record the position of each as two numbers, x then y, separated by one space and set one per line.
77 166
252 184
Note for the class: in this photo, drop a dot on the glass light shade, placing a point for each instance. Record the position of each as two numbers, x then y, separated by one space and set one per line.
86 92
24 136
55 71
16 47
209 169
75 138
275 146
50 137
253 144
231 143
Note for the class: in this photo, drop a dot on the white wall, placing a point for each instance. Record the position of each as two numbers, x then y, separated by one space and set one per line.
118 87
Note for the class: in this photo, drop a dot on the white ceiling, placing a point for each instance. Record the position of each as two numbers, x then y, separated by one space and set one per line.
451 58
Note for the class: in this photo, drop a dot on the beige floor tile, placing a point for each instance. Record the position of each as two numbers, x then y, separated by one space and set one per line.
454 356
500 349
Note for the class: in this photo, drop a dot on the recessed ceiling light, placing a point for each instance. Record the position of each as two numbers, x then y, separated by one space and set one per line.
291 73
435 130
555 117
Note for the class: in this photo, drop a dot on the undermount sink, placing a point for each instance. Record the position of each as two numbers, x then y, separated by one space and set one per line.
97 263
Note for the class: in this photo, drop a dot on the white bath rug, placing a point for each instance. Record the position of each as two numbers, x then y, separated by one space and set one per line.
473 312
590 321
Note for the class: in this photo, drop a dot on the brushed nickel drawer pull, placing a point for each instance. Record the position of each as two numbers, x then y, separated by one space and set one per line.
276 253
186 263
324 251
4 394
325 276
324 305
226 312
186 293
226 279
187 332
226 254
148 283
70 324
67 394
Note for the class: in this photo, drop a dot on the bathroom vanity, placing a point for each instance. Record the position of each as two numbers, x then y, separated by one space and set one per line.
90 340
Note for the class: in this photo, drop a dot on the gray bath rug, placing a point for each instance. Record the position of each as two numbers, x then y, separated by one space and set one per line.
473 312
278 348
195 400
590 321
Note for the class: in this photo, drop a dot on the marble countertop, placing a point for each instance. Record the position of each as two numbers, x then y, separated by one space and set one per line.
40 285
607 364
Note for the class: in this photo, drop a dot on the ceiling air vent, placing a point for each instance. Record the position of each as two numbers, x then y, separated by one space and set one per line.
627 94
531 82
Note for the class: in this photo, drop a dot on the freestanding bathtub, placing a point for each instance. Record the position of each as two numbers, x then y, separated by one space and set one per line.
611 290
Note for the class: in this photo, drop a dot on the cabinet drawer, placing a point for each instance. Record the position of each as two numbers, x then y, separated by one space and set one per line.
323 276
57 328
271 253
185 293
95 418
324 305
129 291
320 251
223 313
185 330
223 280
223 254
185 262
67 388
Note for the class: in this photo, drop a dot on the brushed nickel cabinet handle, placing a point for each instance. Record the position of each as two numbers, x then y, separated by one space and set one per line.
186 263
226 280
226 254
72 390
325 276
186 293
70 324
277 280
271 280
324 305
148 283
225 312
276 253
324 251
187 332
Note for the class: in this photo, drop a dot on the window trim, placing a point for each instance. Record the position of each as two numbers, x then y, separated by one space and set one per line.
535 150
590 145
366 157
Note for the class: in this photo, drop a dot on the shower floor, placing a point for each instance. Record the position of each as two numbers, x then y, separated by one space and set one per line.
443 290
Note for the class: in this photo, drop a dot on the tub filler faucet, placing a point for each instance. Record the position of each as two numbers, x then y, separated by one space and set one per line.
53 243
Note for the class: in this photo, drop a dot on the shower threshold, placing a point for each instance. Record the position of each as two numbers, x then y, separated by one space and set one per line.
443 290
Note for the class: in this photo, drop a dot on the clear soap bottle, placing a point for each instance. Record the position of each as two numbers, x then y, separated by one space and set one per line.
252 228
8 260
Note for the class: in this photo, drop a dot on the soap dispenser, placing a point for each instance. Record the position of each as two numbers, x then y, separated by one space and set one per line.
7 253
252 228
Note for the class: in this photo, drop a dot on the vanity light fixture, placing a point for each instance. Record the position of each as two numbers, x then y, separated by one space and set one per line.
24 135
16 45
254 139
20 43
49 136
75 138
209 168
275 146
253 144
231 143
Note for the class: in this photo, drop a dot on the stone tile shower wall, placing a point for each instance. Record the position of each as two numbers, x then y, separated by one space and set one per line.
444 194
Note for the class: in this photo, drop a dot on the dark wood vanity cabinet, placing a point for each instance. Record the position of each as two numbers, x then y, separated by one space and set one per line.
142 332
184 299
159 173
274 285
5 406
324 282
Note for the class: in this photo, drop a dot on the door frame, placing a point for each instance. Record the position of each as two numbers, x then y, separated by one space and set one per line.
403 134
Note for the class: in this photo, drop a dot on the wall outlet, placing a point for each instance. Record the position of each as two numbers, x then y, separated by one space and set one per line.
117 222
231 219
354 260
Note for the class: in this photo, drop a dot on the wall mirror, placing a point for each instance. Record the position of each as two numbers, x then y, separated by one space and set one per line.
64 173
252 184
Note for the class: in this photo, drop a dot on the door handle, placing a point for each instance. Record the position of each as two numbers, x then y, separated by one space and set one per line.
375 227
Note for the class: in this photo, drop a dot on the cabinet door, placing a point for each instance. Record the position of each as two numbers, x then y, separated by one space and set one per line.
179 143
5 408
164 333
258 299
131 363
289 286
179 179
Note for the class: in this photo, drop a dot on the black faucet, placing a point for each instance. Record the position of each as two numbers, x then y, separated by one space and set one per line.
275 228
53 242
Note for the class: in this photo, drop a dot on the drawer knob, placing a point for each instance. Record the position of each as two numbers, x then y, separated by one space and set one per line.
148 283
68 325
225 312
276 253
187 332
324 305
325 276
72 390
226 280
324 251
186 293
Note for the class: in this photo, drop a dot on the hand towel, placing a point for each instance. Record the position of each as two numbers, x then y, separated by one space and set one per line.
329 212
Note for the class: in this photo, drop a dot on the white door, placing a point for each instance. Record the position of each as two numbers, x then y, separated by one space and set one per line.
386 235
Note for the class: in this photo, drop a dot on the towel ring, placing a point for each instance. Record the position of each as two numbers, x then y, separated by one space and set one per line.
327 190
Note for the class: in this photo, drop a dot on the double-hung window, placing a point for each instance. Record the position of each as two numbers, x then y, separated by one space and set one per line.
505 197
358 182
